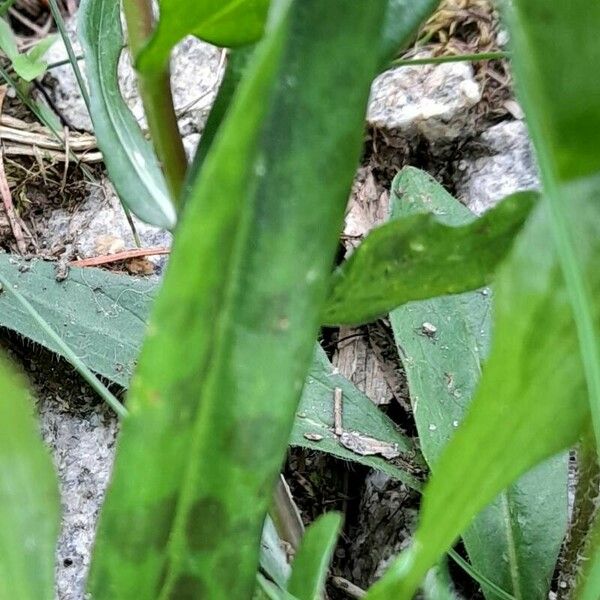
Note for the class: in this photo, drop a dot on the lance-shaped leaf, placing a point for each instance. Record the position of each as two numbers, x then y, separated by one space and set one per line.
531 402
310 566
233 328
443 343
220 22
129 158
420 256
29 503
102 317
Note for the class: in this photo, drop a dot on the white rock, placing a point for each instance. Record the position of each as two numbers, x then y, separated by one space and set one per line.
431 100
506 166
100 216
195 77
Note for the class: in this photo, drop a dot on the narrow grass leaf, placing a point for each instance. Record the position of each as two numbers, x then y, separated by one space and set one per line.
128 156
443 343
310 566
530 404
233 328
221 22
29 502
422 256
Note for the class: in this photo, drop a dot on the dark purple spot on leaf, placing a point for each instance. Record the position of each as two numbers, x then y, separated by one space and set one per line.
206 521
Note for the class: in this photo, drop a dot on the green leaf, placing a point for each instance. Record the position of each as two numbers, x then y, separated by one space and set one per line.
314 425
424 255
29 502
533 380
310 566
443 342
562 120
233 328
128 156
220 22
273 559
402 20
438 584
8 43
39 50
102 317
31 65
28 66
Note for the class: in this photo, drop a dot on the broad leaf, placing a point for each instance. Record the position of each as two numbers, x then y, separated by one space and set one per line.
530 404
233 328
310 566
102 317
129 158
443 342
29 502
422 256
220 22
371 438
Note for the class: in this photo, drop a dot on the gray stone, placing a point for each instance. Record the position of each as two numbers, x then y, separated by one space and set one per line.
430 100
498 163
195 77
98 226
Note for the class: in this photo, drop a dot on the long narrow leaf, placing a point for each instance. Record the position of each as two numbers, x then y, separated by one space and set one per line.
128 156
29 503
443 343
231 336
309 570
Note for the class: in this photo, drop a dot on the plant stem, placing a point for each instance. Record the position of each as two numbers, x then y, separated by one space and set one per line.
60 24
436 60
573 555
155 90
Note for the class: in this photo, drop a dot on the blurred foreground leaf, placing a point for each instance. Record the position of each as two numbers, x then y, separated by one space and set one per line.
29 502
232 331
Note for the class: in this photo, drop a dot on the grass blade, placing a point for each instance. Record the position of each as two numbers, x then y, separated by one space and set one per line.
29 501
128 156
310 566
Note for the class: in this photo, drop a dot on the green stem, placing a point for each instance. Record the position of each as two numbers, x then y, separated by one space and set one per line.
436 60
573 557
155 90
60 24
63 62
